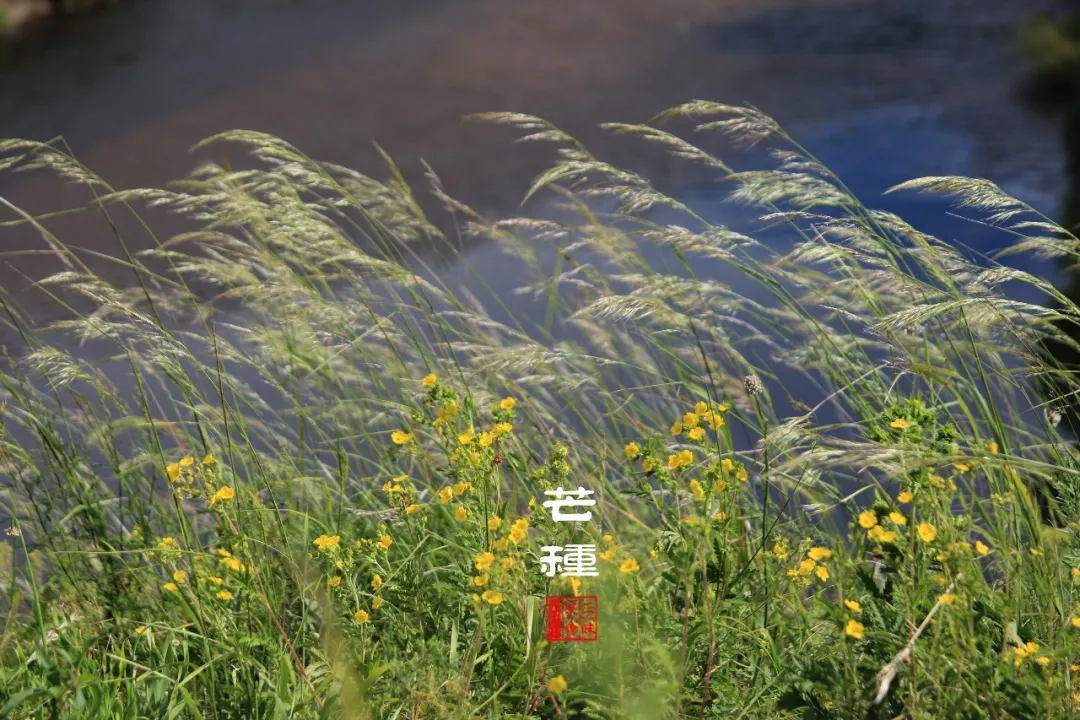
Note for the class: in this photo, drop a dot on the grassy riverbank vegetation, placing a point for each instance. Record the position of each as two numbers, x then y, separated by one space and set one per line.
832 472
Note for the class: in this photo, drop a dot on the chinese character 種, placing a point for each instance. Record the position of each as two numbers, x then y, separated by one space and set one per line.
571 561
569 499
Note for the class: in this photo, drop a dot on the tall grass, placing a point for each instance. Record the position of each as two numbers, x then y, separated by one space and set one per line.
262 505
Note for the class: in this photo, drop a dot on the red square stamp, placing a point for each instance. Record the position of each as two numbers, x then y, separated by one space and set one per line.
572 618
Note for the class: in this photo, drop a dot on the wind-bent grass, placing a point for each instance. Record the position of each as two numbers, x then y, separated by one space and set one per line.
321 501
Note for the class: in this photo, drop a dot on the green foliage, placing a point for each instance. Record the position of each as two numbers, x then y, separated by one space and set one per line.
831 493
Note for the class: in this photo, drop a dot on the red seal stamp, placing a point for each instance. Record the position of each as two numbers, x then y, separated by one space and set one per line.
572 618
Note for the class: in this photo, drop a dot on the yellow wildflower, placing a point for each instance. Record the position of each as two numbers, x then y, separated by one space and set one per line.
962 467
701 408
461 513
519 530
697 490
179 576
557 685
819 553
897 518
504 428
1043 660
446 413
900 424
822 572
726 465
400 437
385 541
690 420
173 469
361 616
376 602
225 595
697 433
904 497
501 544
446 494
993 446
429 380
376 581
607 554
854 629
325 542
1075 621
867 519
947 599
222 495
233 564
647 465
209 459
741 475
461 487
410 509
853 606
716 420
875 533
486 439
480 580
927 532
507 563
886 536
492 597
629 565
334 581
171 587
216 580
494 523
484 560
676 428
187 462
507 403
140 630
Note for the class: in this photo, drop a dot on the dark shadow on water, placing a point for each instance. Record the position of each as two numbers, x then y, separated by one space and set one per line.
879 27
151 58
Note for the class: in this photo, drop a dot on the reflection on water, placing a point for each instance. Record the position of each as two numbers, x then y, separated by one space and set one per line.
880 93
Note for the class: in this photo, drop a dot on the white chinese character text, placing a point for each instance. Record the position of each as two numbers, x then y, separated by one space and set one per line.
569 498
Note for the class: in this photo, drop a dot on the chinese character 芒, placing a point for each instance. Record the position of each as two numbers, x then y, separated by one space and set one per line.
571 561
569 498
